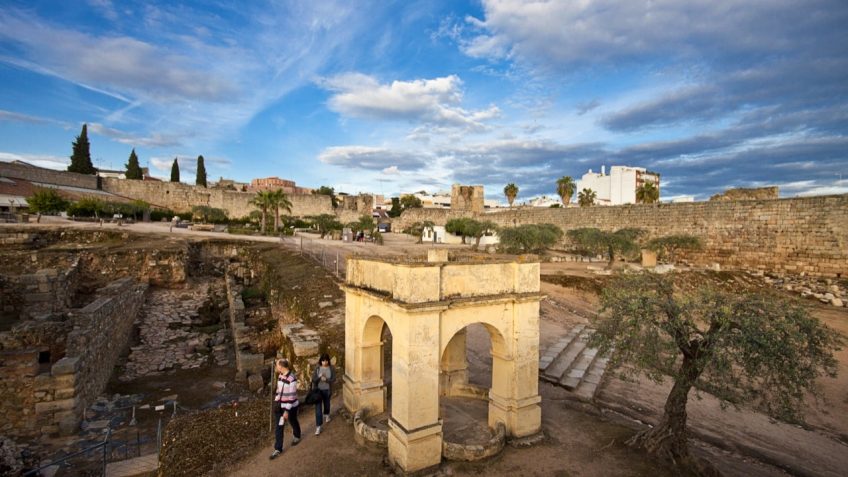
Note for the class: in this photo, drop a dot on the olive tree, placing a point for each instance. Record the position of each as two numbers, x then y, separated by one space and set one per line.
596 241
529 238
757 348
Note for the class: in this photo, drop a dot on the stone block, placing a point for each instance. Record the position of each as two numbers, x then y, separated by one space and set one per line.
60 405
68 425
65 366
305 348
64 393
254 382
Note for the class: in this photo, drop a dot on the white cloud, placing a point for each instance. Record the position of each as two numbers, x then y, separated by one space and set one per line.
431 101
373 158
42 160
154 140
391 171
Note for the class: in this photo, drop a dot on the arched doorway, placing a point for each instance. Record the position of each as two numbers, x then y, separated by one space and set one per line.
376 365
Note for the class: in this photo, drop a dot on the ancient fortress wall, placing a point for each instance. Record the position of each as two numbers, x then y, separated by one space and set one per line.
36 401
795 235
48 176
182 197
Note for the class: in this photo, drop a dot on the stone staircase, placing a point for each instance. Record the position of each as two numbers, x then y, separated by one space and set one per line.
573 365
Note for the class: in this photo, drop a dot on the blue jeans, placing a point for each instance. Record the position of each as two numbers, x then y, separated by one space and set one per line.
322 405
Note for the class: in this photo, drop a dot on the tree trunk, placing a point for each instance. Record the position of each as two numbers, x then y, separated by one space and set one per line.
611 255
263 221
667 439
276 219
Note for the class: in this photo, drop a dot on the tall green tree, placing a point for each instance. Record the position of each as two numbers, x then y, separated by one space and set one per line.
330 191
511 192
81 156
586 197
263 201
175 171
409 201
133 168
326 223
201 172
565 189
758 348
396 209
647 193
279 200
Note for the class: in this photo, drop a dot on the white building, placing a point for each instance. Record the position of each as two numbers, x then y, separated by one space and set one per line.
619 186
544 201
438 234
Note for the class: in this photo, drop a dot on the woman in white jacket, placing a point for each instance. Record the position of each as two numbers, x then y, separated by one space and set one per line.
286 405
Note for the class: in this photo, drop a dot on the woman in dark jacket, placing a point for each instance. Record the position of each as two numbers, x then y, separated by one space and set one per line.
323 378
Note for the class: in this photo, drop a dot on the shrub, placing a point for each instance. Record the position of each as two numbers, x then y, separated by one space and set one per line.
208 214
529 238
46 201
667 247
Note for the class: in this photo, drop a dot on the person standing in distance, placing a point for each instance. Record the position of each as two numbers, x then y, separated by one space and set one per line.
286 405
323 377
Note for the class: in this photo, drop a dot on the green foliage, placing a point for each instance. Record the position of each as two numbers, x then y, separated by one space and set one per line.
133 169
565 188
378 238
366 224
511 192
325 223
592 241
96 207
81 155
200 179
175 171
326 190
467 227
212 215
555 206
278 200
409 201
156 215
251 293
759 348
396 209
417 229
586 197
46 201
667 247
530 238
263 201
647 193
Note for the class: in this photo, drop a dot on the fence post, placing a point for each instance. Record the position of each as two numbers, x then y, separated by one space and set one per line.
337 263
323 263
158 436
301 244
105 445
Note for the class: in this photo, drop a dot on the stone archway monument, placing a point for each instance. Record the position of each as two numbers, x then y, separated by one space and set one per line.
425 304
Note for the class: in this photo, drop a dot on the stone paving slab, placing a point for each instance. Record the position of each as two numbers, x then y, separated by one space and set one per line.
138 466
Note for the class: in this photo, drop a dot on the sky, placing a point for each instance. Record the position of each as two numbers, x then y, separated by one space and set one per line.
401 96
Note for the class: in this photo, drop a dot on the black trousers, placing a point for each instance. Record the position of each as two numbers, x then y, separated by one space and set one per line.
322 407
278 429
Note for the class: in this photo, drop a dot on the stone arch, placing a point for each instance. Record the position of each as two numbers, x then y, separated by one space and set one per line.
374 374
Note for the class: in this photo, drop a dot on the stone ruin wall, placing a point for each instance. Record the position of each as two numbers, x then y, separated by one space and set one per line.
182 197
755 193
798 235
44 292
48 176
35 401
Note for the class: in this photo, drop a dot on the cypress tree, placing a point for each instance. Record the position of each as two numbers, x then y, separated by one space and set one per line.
201 172
81 156
175 171
133 169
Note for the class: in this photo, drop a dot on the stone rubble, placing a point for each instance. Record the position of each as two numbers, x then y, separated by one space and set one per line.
166 338
825 290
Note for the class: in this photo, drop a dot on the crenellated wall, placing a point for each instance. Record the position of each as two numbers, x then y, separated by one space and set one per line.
808 234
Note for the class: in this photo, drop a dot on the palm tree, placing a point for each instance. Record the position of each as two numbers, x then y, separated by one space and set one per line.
647 193
565 189
586 197
511 192
262 200
279 200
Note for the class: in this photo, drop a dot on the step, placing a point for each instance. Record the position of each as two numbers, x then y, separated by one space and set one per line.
139 466
589 386
571 378
557 369
555 349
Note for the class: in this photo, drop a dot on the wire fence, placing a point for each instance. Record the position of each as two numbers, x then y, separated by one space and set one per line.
332 257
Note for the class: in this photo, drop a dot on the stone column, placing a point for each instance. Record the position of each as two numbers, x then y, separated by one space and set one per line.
514 398
415 430
454 364
363 376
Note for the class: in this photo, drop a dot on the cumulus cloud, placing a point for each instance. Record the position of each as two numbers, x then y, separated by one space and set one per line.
433 101
42 160
154 140
373 158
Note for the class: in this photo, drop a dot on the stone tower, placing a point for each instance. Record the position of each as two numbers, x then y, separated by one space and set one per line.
467 198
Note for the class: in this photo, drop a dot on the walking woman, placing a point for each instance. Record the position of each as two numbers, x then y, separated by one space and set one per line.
286 404
323 377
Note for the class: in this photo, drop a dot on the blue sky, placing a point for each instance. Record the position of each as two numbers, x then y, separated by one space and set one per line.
399 96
